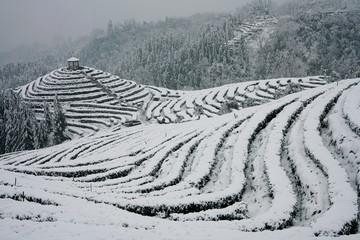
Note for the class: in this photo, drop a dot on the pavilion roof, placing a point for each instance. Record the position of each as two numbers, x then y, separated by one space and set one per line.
73 59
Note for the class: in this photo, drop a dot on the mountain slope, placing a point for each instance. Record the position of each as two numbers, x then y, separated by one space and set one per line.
271 166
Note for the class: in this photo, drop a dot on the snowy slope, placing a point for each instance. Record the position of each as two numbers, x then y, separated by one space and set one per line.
251 29
278 166
95 100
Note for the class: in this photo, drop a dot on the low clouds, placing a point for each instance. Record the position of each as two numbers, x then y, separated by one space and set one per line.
26 22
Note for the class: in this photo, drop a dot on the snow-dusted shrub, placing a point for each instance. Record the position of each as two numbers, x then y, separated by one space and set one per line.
68 173
198 110
36 218
289 89
29 198
237 211
228 106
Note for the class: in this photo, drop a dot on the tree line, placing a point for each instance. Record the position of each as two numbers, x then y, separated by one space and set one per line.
313 43
21 130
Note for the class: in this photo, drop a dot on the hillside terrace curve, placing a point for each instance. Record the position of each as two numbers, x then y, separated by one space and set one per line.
91 96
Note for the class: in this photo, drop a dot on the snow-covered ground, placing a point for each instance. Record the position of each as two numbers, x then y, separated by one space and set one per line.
286 169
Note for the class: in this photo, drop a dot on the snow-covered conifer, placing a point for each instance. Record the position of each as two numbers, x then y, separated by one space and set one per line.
59 122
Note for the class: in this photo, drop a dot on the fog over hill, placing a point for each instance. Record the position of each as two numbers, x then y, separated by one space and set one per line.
26 22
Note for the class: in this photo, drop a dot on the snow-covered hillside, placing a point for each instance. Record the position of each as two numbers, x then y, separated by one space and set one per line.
95 100
290 165
253 29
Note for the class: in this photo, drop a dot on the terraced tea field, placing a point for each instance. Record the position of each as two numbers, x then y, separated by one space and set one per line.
290 165
95 100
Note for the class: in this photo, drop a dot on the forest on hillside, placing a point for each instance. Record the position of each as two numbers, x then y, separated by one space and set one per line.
21 130
310 38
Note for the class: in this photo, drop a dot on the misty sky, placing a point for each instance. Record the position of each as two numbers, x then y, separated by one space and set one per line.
29 21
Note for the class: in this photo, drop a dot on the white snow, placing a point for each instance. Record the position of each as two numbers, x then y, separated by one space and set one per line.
194 179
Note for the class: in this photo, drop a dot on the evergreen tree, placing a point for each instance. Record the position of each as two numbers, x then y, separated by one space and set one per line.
47 126
2 122
13 122
59 122
19 128
28 129
110 28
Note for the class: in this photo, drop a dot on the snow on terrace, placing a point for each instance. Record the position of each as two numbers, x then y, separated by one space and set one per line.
250 30
134 181
92 99
95 100
211 100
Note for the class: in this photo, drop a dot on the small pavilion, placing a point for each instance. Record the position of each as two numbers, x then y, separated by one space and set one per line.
73 63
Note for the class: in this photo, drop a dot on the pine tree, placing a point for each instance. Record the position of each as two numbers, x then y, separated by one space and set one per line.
47 126
13 121
110 28
28 128
2 123
19 128
59 122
